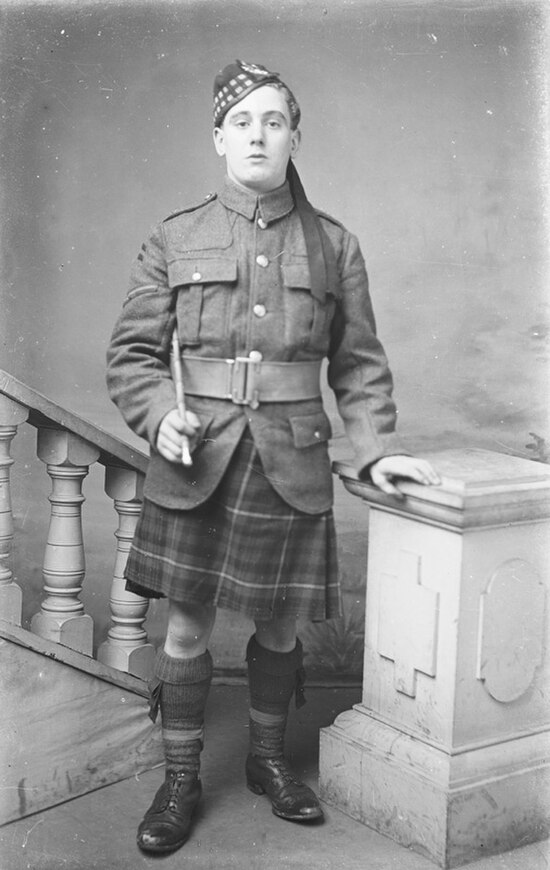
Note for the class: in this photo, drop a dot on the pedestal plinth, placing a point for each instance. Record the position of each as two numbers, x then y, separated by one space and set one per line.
449 751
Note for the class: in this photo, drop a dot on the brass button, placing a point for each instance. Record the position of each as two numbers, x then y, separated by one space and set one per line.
255 356
196 276
262 224
259 310
262 261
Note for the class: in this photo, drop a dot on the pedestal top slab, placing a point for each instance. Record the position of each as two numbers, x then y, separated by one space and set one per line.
478 488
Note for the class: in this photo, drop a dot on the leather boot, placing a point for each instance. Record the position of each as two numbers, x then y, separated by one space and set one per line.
290 798
167 823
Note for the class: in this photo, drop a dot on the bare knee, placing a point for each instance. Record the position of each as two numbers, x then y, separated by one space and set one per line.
189 629
278 635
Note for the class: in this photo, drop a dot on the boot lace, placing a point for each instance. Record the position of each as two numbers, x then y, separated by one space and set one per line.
172 788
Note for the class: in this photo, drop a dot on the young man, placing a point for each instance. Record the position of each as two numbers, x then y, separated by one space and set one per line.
260 287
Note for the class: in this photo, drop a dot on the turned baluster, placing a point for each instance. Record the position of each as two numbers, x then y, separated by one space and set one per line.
62 617
126 646
11 415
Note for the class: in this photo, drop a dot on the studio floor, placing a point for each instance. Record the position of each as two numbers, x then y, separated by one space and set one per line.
234 828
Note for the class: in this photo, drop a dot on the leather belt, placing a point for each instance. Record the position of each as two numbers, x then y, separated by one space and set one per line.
249 380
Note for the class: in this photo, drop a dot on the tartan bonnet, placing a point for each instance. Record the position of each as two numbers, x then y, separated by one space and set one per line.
239 79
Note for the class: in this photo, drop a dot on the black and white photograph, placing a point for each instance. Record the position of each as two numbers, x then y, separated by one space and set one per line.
274 434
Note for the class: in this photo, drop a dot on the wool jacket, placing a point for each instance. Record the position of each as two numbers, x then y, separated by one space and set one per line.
233 274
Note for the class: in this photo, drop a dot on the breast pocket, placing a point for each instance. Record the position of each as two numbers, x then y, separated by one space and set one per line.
204 287
306 319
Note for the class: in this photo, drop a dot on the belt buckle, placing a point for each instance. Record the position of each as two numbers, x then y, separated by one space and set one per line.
245 381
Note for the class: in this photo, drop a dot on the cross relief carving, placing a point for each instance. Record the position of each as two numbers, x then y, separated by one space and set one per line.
407 623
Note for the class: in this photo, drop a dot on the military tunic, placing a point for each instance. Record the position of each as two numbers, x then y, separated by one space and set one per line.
233 275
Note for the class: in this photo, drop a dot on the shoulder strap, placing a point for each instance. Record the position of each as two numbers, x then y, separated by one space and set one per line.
210 198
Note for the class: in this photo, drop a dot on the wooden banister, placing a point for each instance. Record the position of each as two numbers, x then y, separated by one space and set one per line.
68 445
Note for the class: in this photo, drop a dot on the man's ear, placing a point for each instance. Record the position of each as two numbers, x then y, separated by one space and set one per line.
295 140
219 143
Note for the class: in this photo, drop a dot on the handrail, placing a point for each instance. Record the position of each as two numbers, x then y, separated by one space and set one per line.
44 412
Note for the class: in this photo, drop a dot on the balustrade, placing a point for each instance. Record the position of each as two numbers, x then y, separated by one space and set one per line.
68 446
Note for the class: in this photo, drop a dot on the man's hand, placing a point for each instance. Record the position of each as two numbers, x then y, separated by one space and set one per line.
172 432
385 470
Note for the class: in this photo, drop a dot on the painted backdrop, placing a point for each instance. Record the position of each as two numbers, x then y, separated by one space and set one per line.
423 131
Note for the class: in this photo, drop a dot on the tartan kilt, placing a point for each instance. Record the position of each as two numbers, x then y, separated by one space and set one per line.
245 549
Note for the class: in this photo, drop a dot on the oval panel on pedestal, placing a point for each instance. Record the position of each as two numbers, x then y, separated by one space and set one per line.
511 630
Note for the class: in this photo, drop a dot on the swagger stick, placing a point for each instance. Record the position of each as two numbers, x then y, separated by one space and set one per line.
180 394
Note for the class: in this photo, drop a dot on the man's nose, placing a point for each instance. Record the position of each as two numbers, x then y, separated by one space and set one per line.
256 131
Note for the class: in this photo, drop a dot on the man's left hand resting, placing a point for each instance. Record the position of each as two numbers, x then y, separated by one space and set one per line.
384 472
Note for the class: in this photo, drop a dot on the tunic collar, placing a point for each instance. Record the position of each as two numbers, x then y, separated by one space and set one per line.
271 206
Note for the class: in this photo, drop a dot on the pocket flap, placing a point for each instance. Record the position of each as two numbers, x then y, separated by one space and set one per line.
309 429
182 271
296 275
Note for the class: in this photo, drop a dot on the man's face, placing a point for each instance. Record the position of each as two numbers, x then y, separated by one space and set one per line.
256 140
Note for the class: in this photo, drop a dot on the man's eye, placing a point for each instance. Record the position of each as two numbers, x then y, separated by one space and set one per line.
273 124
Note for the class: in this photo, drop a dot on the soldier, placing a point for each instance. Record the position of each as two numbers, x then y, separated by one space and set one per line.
260 288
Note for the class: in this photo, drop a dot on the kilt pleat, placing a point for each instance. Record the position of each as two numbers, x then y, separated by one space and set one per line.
244 549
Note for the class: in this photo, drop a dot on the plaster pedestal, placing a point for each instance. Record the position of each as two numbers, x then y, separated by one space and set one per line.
448 753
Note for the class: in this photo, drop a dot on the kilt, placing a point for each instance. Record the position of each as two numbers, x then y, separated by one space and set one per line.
244 549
